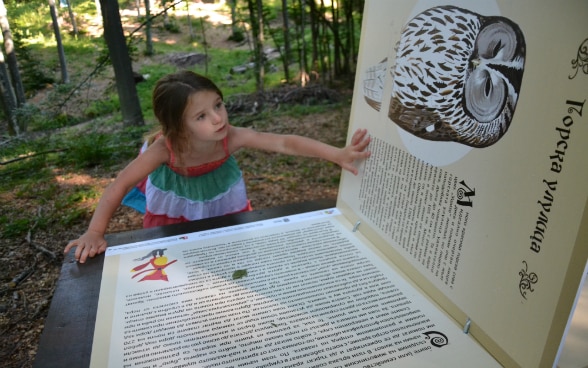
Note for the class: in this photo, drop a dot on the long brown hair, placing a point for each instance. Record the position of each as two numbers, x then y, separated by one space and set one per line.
170 98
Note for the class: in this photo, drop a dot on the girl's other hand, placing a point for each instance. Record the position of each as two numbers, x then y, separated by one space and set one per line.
88 245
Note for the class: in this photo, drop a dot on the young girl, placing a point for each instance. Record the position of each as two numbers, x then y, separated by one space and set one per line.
191 173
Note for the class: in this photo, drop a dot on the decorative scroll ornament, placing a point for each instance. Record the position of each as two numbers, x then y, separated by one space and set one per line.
527 281
437 339
581 61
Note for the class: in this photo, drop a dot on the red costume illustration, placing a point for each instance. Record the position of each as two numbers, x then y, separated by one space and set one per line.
158 262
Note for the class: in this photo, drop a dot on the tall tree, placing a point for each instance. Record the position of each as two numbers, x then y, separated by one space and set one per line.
303 63
256 19
121 63
189 21
314 23
166 24
11 60
60 51
72 18
287 53
7 98
234 28
148 37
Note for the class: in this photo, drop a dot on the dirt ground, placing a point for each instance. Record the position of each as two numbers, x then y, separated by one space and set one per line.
31 265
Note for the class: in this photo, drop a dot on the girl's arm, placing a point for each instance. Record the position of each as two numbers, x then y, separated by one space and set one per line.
92 242
303 146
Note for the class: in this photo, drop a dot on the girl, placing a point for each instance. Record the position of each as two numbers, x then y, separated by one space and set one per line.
191 173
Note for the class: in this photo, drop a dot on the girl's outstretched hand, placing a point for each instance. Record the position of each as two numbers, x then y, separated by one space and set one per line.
88 245
355 151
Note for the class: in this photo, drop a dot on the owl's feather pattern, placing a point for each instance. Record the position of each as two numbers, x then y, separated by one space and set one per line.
457 76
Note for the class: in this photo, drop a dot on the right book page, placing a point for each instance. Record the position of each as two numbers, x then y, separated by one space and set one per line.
477 184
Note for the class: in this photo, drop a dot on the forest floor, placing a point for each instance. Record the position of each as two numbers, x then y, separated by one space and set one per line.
32 264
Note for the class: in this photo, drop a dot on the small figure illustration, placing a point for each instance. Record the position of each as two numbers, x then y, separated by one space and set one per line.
158 261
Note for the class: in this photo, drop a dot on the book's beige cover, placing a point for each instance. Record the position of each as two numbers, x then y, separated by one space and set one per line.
477 186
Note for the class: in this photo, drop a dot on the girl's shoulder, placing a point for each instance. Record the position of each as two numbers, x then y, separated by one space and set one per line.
159 143
238 137
158 150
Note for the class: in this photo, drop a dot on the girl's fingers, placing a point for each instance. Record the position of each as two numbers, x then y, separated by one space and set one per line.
79 251
358 136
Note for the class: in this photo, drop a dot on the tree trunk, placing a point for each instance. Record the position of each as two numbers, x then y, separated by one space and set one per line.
286 54
11 57
148 38
336 65
165 15
189 20
7 99
314 31
234 28
204 43
60 51
260 45
255 15
72 18
302 45
121 63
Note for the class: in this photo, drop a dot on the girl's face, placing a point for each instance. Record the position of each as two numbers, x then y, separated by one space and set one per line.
205 117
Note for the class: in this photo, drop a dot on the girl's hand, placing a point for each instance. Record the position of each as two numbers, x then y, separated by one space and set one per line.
355 151
88 245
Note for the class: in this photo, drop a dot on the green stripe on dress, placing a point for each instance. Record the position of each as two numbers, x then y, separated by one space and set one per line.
198 188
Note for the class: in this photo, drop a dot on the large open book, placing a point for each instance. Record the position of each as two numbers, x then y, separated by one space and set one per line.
462 242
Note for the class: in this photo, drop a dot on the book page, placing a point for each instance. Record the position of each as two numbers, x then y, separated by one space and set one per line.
477 184
298 291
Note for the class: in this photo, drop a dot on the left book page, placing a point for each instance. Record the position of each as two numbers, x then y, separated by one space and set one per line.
296 291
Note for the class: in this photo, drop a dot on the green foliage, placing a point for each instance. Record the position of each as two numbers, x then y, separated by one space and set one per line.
90 150
102 149
33 74
32 177
102 107
12 228
61 146
172 25
237 36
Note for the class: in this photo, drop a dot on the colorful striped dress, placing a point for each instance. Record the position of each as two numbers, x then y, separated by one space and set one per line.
179 194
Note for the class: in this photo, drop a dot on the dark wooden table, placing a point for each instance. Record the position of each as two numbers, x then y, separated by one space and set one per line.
68 334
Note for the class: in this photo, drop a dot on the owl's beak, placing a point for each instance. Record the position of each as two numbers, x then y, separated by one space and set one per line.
475 63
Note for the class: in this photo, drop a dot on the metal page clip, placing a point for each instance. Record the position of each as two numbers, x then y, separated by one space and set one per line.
466 327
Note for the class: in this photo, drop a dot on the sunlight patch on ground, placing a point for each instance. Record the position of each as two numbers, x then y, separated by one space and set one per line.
72 179
216 14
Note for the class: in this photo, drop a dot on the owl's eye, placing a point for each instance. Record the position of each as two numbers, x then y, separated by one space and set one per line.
496 49
484 95
488 89
497 40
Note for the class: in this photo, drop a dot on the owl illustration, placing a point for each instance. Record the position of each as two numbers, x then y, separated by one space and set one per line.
457 76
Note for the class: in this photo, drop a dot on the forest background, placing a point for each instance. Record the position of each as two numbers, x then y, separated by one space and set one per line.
76 80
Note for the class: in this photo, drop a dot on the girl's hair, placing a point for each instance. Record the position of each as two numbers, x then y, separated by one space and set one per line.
170 98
